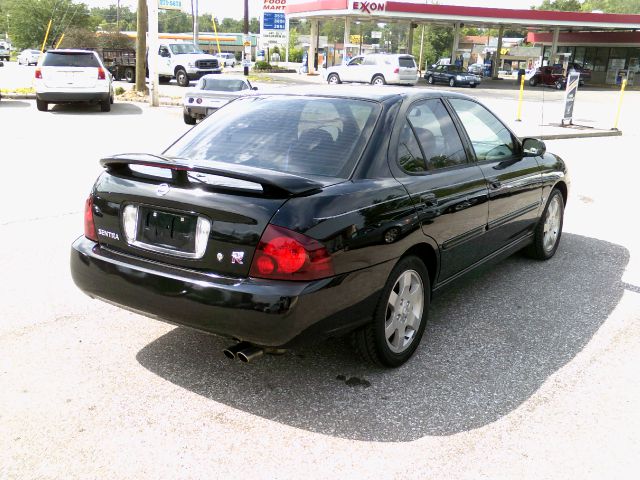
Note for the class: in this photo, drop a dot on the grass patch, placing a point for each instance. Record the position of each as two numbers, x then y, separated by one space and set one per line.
19 91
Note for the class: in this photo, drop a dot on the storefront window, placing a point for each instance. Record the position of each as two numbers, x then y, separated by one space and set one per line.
601 59
579 56
589 57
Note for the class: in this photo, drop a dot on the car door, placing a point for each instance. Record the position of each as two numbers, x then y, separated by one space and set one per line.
351 70
449 192
514 181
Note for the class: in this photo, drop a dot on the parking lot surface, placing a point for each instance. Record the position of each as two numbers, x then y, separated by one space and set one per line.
526 370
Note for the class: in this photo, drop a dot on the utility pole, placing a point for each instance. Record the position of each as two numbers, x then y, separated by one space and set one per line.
118 17
196 27
141 46
246 35
154 97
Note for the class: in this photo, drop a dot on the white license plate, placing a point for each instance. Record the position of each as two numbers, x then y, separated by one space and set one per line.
211 110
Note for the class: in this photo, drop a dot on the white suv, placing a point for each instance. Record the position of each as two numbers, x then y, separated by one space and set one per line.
377 69
68 76
226 59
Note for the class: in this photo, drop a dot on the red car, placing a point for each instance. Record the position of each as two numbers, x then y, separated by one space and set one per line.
548 76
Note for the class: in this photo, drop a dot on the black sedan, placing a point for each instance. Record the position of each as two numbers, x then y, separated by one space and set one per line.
346 218
452 75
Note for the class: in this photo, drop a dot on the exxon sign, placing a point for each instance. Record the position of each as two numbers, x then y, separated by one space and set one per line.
368 7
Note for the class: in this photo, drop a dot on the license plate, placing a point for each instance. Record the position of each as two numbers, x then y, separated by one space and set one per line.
472 83
167 229
211 110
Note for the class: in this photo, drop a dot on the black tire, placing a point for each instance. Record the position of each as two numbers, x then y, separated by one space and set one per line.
164 80
130 75
105 105
182 78
473 86
42 105
452 82
378 80
188 119
533 82
430 80
371 341
539 249
333 79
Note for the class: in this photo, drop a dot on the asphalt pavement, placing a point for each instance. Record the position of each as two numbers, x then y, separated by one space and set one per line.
526 370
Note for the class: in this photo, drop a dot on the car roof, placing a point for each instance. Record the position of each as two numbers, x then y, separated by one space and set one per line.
217 76
69 50
362 92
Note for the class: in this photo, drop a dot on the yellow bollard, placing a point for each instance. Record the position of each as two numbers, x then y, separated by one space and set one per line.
624 85
215 30
519 119
59 41
46 35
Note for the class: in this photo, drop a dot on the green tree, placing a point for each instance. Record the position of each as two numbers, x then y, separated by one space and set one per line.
29 19
612 6
562 5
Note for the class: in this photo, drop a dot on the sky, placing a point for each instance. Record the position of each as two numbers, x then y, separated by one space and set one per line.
234 8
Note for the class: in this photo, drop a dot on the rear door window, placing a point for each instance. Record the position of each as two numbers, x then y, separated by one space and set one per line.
436 134
70 59
407 62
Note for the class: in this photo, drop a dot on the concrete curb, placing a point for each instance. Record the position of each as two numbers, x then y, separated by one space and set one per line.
568 136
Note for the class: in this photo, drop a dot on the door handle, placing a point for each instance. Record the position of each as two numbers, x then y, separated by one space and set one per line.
495 183
429 199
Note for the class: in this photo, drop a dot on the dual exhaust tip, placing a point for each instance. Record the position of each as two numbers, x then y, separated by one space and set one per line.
243 351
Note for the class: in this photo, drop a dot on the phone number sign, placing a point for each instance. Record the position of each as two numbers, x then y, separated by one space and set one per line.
170 4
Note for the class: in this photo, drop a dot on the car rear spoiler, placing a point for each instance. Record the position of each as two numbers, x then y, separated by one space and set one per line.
272 182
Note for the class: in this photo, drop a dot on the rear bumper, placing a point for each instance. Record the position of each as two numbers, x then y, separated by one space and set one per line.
66 97
197 112
263 312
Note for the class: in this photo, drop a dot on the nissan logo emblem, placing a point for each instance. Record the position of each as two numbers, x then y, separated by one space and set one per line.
162 189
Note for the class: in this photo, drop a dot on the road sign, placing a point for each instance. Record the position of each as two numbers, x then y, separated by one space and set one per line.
170 4
375 34
354 38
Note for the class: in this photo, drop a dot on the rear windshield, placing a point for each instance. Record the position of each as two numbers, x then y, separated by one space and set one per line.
223 85
75 59
407 62
299 135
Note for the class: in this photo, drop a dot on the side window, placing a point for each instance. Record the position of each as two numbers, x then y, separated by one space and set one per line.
356 61
409 153
437 135
490 138
371 60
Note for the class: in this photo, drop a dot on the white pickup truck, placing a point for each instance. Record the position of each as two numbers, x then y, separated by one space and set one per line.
5 51
184 62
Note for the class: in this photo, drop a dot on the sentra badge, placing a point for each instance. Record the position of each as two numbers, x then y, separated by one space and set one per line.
236 257
108 234
162 189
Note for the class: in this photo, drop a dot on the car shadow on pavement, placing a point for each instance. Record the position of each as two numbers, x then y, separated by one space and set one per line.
6 103
490 343
118 108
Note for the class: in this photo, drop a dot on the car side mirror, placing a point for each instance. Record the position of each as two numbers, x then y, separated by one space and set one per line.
254 88
532 147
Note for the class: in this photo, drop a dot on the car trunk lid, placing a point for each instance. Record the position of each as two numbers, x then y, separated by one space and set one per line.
163 209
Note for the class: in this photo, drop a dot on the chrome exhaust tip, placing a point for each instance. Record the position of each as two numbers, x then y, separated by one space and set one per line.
249 354
232 351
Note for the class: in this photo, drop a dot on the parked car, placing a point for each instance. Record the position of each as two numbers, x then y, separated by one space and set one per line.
29 57
226 59
211 93
5 51
548 76
377 69
451 74
265 224
476 69
70 76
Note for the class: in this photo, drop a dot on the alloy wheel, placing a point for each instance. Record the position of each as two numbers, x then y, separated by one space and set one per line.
404 311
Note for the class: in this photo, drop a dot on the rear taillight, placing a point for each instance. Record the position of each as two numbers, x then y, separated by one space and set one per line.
89 226
101 74
38 73
286 255
396 70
